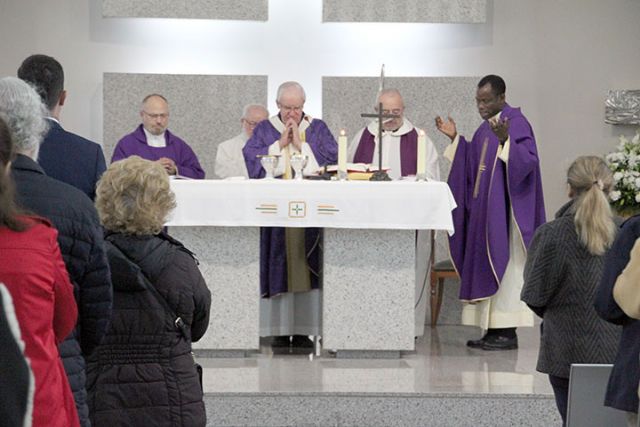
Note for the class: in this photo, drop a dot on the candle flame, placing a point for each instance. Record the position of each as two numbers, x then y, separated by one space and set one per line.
343 132
421 132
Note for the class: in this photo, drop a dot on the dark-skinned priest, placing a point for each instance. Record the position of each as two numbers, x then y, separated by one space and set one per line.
495 179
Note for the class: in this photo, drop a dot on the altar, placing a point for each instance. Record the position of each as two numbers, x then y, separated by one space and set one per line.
369 254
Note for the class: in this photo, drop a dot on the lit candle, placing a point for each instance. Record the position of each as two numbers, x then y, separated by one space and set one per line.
342 151
422 154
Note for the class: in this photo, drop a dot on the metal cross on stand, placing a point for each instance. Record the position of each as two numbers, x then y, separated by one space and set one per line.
380 175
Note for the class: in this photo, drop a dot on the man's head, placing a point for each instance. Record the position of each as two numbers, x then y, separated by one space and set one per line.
392 103
47 76
252 114
23 111
155 114
490 96
290 101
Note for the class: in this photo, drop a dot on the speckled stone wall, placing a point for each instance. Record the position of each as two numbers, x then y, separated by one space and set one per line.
246 10
205 110
229 263
436 11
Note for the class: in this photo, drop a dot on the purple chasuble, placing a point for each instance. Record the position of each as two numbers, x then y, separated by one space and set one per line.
273 254
408 151
480 245
135 144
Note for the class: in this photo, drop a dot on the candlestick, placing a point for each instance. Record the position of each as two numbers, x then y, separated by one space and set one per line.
422 156
342 155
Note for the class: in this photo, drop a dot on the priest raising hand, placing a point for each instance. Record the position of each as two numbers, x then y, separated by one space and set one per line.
495 180
500 128
448 128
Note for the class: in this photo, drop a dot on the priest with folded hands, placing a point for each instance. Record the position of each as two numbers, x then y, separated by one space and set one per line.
290 308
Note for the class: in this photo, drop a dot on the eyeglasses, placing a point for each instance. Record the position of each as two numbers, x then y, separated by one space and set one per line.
395 112
296 109
157 116
250 123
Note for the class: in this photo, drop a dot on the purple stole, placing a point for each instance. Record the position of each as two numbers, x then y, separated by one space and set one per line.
408 151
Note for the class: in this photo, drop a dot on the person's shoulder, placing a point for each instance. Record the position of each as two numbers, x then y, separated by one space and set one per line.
73 199
231 141
632 223
66 137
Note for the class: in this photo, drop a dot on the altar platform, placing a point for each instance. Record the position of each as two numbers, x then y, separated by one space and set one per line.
441 383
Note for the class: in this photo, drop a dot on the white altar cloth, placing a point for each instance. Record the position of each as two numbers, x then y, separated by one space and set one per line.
400 205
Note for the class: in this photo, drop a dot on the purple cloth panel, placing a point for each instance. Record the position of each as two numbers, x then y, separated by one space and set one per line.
408 151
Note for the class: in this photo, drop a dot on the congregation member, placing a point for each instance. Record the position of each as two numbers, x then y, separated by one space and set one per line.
143 373
32 269
290 279
229 158
563 270
63 155
79 231
399 154
152 140
621 266
399 141
495 180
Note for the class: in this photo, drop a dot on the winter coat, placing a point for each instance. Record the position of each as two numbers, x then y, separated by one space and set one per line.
32 269
80 238
622 391
143 374
560 282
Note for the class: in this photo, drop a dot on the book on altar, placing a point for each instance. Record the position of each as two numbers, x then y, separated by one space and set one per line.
356 167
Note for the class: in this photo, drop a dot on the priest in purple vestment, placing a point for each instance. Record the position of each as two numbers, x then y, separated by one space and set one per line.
399 141
153 141
290 257
495 179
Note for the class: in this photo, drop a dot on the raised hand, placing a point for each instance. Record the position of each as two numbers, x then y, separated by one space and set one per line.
500 128
448 128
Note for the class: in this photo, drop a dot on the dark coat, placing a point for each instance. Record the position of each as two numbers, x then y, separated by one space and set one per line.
622 391
560 282
143 374
82 246
71 158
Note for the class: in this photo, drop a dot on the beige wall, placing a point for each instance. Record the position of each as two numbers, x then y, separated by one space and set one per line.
559 58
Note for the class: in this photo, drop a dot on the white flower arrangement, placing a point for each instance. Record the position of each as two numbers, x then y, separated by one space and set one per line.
625 165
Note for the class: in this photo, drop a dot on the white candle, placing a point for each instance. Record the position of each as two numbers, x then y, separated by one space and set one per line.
342 151
422 154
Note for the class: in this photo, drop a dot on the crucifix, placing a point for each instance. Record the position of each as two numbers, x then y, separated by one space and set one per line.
380 175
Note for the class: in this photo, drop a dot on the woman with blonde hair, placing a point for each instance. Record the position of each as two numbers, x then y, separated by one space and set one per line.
143 373
564 266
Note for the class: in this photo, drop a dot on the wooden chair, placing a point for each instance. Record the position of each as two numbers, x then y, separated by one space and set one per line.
439 271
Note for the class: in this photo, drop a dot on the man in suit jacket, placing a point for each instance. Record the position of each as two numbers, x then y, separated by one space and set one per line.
63 155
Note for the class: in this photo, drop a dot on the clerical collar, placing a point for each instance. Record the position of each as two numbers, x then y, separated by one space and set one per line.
406 127
157 141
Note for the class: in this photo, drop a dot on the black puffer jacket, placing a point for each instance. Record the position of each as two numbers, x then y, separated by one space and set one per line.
143 373
82 246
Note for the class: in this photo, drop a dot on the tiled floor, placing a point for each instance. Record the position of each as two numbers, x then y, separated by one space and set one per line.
441 364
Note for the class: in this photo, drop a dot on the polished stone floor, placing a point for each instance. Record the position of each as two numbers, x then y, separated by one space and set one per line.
441 364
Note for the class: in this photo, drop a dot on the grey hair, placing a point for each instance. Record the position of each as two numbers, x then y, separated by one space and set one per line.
248 107
383 92
290 85
22 109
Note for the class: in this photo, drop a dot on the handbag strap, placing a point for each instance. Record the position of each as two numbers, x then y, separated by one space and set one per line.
180 325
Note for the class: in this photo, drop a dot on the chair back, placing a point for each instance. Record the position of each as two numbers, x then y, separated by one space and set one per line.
585 406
